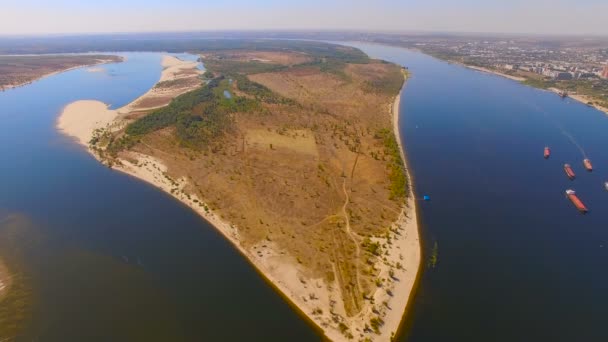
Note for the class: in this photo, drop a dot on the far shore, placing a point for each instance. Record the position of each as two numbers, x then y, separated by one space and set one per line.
584 99
494 72
81 118
49 74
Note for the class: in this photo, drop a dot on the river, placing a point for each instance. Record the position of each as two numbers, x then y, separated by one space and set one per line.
102 256
515 260
105 256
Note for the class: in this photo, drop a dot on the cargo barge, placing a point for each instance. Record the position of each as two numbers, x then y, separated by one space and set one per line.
571 194
569 172
588 165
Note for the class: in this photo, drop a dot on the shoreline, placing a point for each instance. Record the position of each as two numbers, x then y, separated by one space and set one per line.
276 266
53 73
493 72
5 279
584 99
412 211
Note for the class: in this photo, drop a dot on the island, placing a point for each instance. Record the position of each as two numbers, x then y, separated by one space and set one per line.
292 151
16 70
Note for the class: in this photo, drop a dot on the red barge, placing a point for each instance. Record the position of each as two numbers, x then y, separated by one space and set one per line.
576 201
569 172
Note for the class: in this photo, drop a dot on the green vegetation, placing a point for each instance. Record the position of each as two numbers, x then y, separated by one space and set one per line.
399 182
259 91
390 84
434 255
227 67
200 116
372 247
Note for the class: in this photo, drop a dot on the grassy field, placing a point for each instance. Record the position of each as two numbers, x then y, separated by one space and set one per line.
301 155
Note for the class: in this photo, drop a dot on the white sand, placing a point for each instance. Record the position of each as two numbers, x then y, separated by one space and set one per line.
490 71
81 118
171 72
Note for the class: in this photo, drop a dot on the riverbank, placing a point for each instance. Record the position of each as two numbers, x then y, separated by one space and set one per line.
584 99
494 72
5 280
313 298
80 119
38 78
409 242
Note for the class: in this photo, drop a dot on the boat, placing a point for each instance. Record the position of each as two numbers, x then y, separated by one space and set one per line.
569 171
563 94
606 185
571 194
547 152
588 165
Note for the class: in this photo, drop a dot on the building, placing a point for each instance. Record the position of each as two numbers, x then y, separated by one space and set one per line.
563 76
605 72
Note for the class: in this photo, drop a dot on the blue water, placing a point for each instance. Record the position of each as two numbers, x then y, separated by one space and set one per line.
105 256
516 261
110 258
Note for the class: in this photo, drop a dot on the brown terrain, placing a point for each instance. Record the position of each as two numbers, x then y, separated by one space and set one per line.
19 70
303 166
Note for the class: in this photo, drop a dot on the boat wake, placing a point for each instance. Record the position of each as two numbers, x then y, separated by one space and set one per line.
559 127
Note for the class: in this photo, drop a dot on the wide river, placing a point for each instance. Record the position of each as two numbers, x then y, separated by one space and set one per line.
97 254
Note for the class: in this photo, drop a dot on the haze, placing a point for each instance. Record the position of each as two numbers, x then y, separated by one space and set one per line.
515 16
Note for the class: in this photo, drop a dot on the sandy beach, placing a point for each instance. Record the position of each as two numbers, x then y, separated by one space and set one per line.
313 298
585 100
490 71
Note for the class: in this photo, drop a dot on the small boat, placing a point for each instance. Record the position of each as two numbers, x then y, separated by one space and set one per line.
606 185
569 171
547 152
588 165
571 194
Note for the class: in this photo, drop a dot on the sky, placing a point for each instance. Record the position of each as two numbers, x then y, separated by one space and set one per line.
493 16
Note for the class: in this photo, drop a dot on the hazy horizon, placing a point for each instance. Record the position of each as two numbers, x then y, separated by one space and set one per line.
543 17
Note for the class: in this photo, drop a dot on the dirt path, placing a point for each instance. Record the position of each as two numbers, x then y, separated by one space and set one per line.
352 236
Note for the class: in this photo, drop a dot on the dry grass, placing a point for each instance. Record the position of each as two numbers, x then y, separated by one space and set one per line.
282 58
312 178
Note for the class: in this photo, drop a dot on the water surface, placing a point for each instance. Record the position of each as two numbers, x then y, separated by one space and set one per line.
104 256
516 261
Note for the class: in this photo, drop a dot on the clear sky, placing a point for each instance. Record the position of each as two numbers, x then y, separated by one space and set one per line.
517 16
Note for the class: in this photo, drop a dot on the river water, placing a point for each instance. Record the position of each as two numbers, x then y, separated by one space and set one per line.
516 261
102 256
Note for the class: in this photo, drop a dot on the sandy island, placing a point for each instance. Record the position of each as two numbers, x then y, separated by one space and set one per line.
81 118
